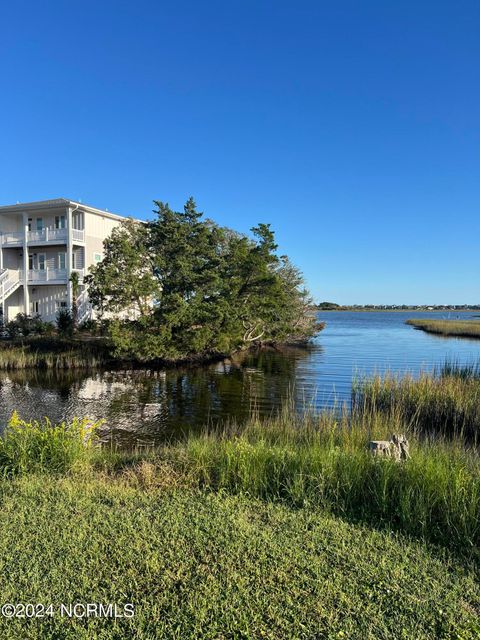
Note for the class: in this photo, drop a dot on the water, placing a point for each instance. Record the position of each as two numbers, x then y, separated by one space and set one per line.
149 406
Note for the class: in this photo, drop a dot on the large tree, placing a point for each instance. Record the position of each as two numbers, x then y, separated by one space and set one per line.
197 288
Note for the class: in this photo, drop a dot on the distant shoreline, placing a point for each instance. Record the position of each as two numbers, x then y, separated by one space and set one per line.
411 310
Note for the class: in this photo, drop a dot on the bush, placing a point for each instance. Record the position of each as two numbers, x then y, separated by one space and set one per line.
65 322
25 325
13 329
89 326
43 446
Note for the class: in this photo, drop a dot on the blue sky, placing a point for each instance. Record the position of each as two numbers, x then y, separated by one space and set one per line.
353 127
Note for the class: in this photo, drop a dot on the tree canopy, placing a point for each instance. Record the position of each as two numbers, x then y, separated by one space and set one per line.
196 288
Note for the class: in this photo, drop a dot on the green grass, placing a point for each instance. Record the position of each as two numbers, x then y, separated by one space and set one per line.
200 565
285 528
302 461
27 447
52 353
446 403
458 328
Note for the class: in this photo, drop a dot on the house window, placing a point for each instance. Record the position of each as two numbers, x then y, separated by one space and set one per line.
35 307
39 224
62 260
59 222
97 257
29 224
74 260
41 261
30 262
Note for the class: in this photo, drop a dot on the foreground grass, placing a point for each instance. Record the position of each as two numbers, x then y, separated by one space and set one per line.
198 564
459 328
316 461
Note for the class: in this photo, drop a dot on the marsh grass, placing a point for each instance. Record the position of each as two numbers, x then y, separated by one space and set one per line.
45 353
459 328
323 462
445 403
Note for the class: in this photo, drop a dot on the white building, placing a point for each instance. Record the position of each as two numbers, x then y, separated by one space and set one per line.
41 243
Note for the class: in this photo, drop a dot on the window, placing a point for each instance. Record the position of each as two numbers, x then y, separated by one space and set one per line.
59 222
30 262
29 224
39 224
35 307
97 257
74 260
41 261
62 260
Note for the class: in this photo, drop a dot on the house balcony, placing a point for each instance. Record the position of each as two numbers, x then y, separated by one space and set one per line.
50 276
43 236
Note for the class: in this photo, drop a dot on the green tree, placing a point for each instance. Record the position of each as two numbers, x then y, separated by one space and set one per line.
124 279
197 288
75 282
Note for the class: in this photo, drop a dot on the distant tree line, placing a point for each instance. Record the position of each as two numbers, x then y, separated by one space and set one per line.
197 288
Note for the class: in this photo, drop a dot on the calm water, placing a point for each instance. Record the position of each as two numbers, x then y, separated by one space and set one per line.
147 406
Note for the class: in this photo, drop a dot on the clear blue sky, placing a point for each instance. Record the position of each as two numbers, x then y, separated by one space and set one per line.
353 127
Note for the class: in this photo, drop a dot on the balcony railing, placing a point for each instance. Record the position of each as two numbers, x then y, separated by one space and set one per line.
47 235
78 235
42 235
44 275
47 275
12 237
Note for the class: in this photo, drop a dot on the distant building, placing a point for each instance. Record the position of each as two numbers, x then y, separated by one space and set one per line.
41 244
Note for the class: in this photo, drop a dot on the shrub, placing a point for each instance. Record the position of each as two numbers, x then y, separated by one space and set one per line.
13 329
43 446
89 326
25 325
65 322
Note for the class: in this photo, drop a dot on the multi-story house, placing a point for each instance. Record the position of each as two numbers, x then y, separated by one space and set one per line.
41 244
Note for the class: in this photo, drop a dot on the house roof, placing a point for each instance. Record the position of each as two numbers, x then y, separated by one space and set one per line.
57 202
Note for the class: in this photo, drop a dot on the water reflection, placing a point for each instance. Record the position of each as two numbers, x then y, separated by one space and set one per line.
148 406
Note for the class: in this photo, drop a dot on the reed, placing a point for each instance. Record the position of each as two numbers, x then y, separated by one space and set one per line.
446 403
458 328
51 354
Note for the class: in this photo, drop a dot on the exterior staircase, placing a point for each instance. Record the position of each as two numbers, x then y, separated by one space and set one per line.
10 280
84 308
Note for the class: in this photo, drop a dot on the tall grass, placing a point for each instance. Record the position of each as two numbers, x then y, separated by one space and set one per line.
445 403
459 328
322 461
44 353
27 447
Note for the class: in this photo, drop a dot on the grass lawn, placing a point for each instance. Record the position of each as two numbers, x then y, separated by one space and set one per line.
199 564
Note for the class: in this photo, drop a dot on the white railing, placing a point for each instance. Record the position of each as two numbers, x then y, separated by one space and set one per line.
47 235
42 235
12 237
78 235
10 279
45 275
84 308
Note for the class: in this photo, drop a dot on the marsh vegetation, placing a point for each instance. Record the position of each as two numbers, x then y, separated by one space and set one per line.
453 328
